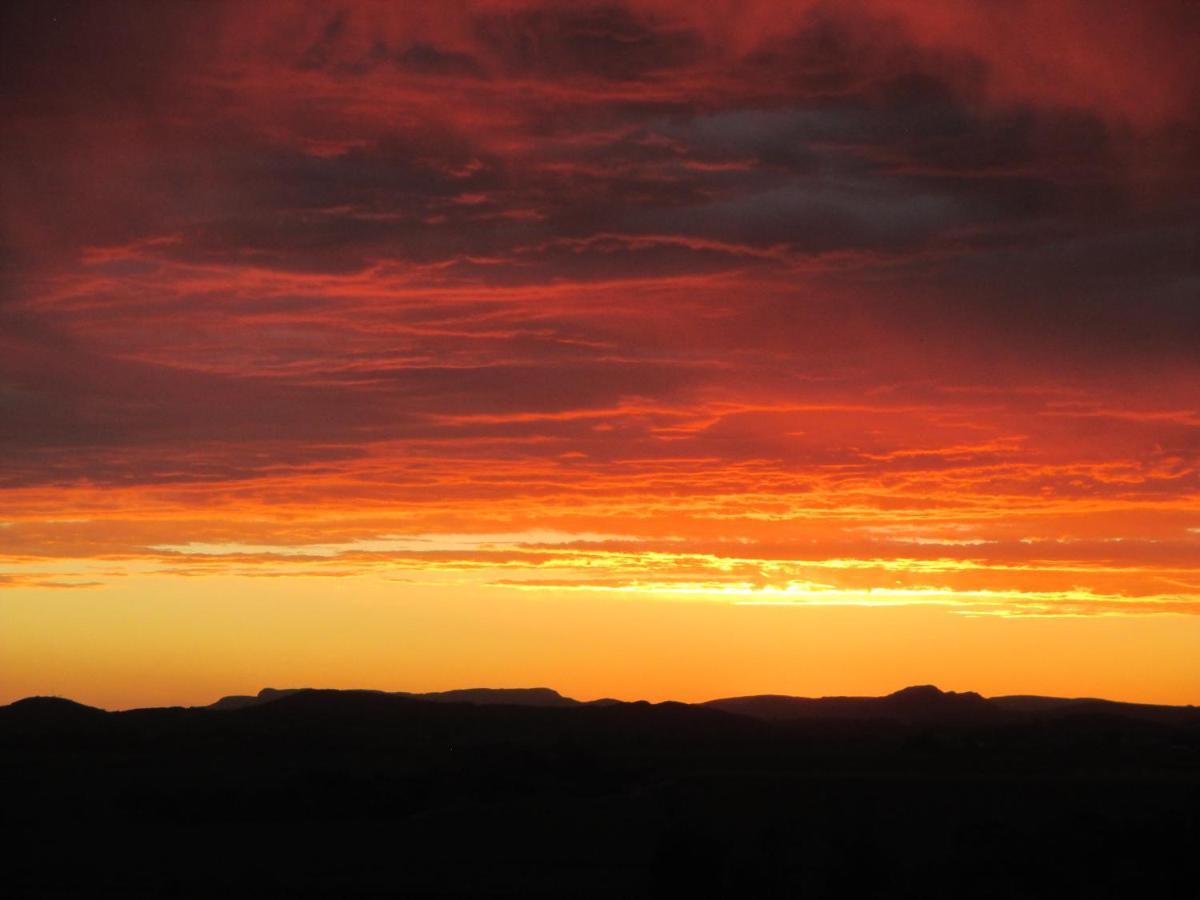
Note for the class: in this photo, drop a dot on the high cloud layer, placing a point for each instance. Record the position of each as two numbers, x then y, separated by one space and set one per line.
813 302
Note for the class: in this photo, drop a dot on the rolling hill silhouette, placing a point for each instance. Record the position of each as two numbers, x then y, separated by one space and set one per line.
479 696
524 792
913 704
916 703
926 703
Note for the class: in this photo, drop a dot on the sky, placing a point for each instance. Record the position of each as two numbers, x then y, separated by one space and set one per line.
639 349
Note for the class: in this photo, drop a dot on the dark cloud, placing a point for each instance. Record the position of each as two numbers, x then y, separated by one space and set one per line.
733 254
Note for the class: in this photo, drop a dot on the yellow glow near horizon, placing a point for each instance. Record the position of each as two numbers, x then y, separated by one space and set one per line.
170 640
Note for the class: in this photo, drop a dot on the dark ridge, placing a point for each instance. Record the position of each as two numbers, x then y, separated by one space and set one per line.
1090 706
49 710
920 703
480 696
927 696
524 793
238 701
51 717
503 696
1032 703
926 703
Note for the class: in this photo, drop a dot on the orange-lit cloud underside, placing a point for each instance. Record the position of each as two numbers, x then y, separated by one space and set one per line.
868 304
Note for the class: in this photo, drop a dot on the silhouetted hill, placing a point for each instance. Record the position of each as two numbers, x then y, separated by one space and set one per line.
928 704
48 708
500 696
304 792
920 703
266 695
49 714
1078 706
914 704
478 696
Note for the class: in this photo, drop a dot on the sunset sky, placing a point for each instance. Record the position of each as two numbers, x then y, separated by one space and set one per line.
647 349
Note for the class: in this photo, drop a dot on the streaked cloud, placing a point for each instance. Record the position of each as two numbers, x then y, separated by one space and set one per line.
805 302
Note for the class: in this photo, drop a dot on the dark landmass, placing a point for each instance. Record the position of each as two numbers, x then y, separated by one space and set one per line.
925 703
521 793
478 696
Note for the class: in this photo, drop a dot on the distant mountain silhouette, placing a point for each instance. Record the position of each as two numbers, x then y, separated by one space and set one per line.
479 696
524 792
50 714
503 696
238 701
928 704
1079 706
49 708
923 703
919 704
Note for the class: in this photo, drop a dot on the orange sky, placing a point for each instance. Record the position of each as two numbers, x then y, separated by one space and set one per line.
646 349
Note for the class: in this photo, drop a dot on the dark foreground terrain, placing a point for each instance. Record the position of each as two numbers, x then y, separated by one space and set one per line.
366 794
